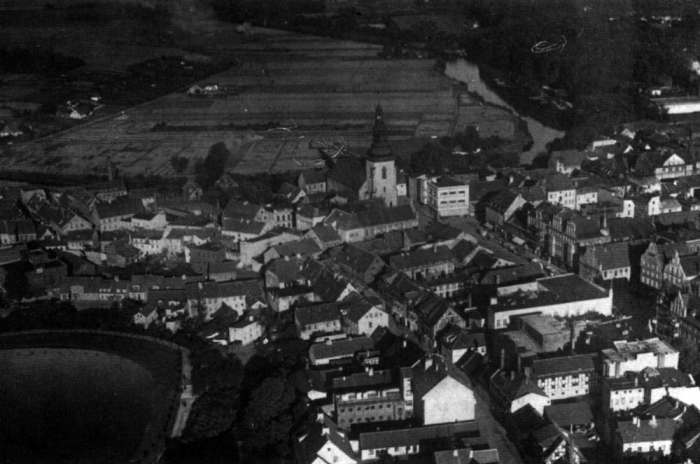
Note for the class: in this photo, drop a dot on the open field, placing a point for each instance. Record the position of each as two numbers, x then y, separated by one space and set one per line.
287 92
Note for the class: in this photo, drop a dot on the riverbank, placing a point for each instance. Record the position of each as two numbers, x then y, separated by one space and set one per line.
469 74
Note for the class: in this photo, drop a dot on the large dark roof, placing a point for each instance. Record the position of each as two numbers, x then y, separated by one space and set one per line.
349 172
422 257
562 366
354 257
646 431
309 315
567 414
414 436
382 216
339 348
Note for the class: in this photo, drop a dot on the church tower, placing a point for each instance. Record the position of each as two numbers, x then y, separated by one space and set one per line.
380 166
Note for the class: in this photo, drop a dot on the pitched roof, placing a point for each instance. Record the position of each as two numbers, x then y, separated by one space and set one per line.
303 247
562 365
566 414
414 436
241 210
514 386
355 257
557 182
349 172
426 378
647 431
382 216
528 272
422 257
314 176
286 269
325 312
613 256
362 380
340 348
326 234
243 226
356 306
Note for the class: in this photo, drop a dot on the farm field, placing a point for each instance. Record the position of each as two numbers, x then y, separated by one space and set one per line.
288 94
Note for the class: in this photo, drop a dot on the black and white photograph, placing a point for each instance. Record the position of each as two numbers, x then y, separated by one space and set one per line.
349 231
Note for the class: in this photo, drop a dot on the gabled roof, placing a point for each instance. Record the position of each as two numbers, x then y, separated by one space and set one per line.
286 269
342 220
528 272
340 348
612 256
561 366
356 306
120 207
503 200
241 210
310 315
363 380
557 182
461 339
662 429
514 386
326 234
426 378
355 257
303 247
314 176
415 436
566 414
349 172
383 216
422 257
243 226
691 265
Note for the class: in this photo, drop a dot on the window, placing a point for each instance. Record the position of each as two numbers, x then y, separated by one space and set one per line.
384 172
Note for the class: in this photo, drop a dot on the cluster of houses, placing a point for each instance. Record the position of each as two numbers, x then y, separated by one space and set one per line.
418 333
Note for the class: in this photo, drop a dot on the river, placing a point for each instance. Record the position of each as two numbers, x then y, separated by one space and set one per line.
468 73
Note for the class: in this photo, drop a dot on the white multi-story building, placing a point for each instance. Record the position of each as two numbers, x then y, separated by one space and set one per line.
448 197
565 377
637 355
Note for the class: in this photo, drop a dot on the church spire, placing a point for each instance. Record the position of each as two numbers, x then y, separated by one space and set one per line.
380 145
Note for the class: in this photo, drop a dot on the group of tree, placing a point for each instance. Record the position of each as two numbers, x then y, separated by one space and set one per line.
464 152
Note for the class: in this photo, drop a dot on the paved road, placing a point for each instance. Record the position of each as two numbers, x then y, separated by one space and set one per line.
187 397
496 435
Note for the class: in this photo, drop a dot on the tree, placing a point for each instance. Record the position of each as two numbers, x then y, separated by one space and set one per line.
268 420
689 357
179 163
217 380
209 171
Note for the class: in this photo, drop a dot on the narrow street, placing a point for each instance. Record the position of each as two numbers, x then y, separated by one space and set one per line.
496 435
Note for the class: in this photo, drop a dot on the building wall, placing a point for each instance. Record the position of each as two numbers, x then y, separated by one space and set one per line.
623 399
538 402
646 446
448 201
387 407
560 387
448 401
501 319
381 179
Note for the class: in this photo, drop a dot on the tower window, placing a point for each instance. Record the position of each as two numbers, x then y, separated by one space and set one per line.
384 172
